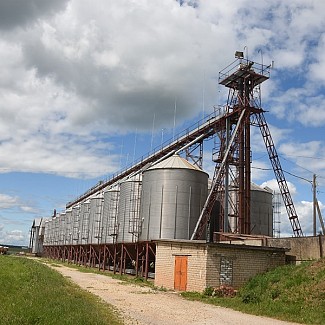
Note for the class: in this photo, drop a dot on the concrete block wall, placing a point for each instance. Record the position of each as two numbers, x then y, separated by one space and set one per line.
303 248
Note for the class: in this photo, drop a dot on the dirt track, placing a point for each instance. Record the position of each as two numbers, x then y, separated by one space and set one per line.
144 306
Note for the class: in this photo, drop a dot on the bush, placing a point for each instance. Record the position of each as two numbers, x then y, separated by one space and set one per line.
221 291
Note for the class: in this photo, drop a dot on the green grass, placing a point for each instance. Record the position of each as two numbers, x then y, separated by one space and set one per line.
124 278
292 293
32 293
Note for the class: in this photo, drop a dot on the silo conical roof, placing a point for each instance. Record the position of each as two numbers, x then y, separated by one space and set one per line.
174 162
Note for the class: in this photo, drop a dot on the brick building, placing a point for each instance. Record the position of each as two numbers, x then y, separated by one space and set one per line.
194 265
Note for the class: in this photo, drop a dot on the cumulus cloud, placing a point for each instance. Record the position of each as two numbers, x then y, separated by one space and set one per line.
273 184
14 203
78 70
306 156
21 13
7 201
13 237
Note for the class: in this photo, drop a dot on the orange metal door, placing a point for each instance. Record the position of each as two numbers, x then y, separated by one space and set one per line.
180 273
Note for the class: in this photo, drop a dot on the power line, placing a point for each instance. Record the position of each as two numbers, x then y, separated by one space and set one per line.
305 179
297 165
318 158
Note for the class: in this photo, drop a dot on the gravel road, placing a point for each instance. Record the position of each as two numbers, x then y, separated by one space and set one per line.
144 306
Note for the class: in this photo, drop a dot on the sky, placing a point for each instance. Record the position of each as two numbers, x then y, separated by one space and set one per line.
87 87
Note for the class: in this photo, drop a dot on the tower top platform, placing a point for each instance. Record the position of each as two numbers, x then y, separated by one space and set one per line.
243 69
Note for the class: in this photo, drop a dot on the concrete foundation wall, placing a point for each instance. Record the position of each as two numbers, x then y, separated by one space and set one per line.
303 248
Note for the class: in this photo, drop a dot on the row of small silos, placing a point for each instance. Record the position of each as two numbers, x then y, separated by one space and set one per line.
164 202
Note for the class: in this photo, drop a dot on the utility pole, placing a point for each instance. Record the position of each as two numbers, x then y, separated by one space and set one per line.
314 204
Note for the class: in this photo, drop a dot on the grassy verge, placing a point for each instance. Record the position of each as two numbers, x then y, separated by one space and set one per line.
32 293
292 293
126 279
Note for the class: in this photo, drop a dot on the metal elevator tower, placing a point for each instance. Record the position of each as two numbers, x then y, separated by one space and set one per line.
231 185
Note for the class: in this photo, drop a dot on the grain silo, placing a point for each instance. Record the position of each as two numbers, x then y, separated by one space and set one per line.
56 229
75 224
261 210
46 232
173 194
61 231
84 222
51 231
128 215
109 217
68 227
96 204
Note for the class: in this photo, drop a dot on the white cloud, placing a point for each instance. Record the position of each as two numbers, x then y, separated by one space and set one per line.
7 201
273 184
81 72
13 237
14 203
309 157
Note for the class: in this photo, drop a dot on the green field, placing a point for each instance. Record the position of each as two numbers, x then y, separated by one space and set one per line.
292 293
32 293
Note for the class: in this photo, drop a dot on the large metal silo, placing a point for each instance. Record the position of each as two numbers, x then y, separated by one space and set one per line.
46 240
109 218
84 222
128 216
76 224
261 210
173 195
96 205
56 229
61 230
68 227
50 234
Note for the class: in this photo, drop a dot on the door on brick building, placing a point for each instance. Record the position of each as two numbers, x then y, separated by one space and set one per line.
180 273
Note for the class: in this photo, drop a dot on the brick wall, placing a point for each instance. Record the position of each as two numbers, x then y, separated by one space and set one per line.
165 263
235 265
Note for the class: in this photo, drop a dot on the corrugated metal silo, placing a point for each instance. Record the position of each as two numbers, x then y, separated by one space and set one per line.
96 205
261 210
56 229
128 215
261 216
84 221
61 218
68 227
76 224
46 241
50 232
109 219
173 194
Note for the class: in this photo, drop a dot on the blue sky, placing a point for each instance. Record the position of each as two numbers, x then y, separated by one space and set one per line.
89 86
